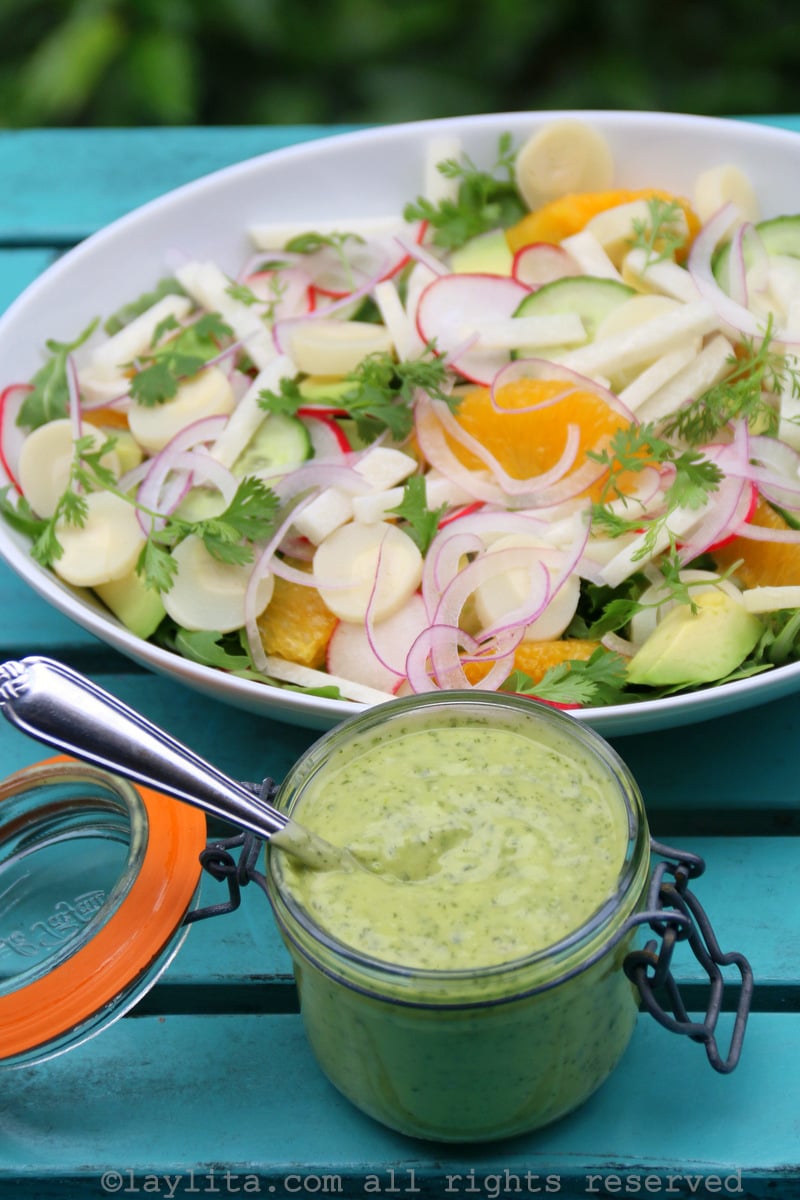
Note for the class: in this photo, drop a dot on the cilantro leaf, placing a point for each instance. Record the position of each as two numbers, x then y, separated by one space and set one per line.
250 517
597 681
159 375
156 566
49 399
423 522
483 202
160 379
286 400
381 396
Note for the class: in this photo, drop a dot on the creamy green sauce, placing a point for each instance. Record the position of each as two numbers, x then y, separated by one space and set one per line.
482 844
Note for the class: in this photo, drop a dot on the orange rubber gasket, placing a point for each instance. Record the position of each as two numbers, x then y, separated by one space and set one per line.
132 938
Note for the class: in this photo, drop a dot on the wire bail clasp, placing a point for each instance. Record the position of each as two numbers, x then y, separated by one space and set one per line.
237 872
676 915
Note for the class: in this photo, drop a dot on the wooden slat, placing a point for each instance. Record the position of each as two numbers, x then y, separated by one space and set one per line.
103 173
155 1096
19 268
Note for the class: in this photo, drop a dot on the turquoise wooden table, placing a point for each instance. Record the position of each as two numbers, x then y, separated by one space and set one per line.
208 1087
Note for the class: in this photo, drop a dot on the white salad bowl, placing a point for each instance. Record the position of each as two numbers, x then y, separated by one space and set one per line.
358 175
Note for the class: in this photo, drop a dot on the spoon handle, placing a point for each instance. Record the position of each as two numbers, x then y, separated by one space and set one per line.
61 708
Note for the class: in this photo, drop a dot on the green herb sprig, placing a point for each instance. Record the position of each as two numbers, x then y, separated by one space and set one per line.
49 398
483 201
381 397
158 376
746 393
663 233
422 522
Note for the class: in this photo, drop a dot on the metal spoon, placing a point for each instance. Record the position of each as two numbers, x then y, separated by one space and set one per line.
64 709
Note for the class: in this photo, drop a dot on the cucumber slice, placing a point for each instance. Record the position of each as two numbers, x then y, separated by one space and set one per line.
780 235
590 296
280 441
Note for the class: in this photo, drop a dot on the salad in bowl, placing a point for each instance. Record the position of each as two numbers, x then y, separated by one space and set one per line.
532 429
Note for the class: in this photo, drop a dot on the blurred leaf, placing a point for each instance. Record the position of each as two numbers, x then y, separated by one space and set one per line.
162 73
63 71
139 62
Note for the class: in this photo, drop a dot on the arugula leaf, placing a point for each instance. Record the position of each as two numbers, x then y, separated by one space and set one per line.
423 522
20 515
213 649
49 399
126 314
744 394
597 681
483 201
381 398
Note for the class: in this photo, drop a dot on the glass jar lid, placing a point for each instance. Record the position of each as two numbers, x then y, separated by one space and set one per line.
96 878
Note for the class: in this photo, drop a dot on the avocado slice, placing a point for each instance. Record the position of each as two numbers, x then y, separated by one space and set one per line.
486 254
138 607
692 647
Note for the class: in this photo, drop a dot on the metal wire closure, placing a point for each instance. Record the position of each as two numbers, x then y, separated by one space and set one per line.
236 872
675 915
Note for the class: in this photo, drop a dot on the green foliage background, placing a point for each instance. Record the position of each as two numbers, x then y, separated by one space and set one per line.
238 62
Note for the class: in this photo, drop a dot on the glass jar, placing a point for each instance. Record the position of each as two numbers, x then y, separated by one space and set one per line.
468 1053
96 878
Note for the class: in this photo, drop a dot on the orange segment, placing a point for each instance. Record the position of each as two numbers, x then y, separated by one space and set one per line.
528 443
765 564
570 214
536 658
106 418
296 624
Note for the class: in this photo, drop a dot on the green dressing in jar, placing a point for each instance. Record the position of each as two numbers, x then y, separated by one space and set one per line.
466 983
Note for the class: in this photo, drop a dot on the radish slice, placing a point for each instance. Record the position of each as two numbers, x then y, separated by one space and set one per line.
377 657
286 293
328 439
105 547
454 307
208 594
339 274
346 564
700 259
542 262
45 463
12 435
